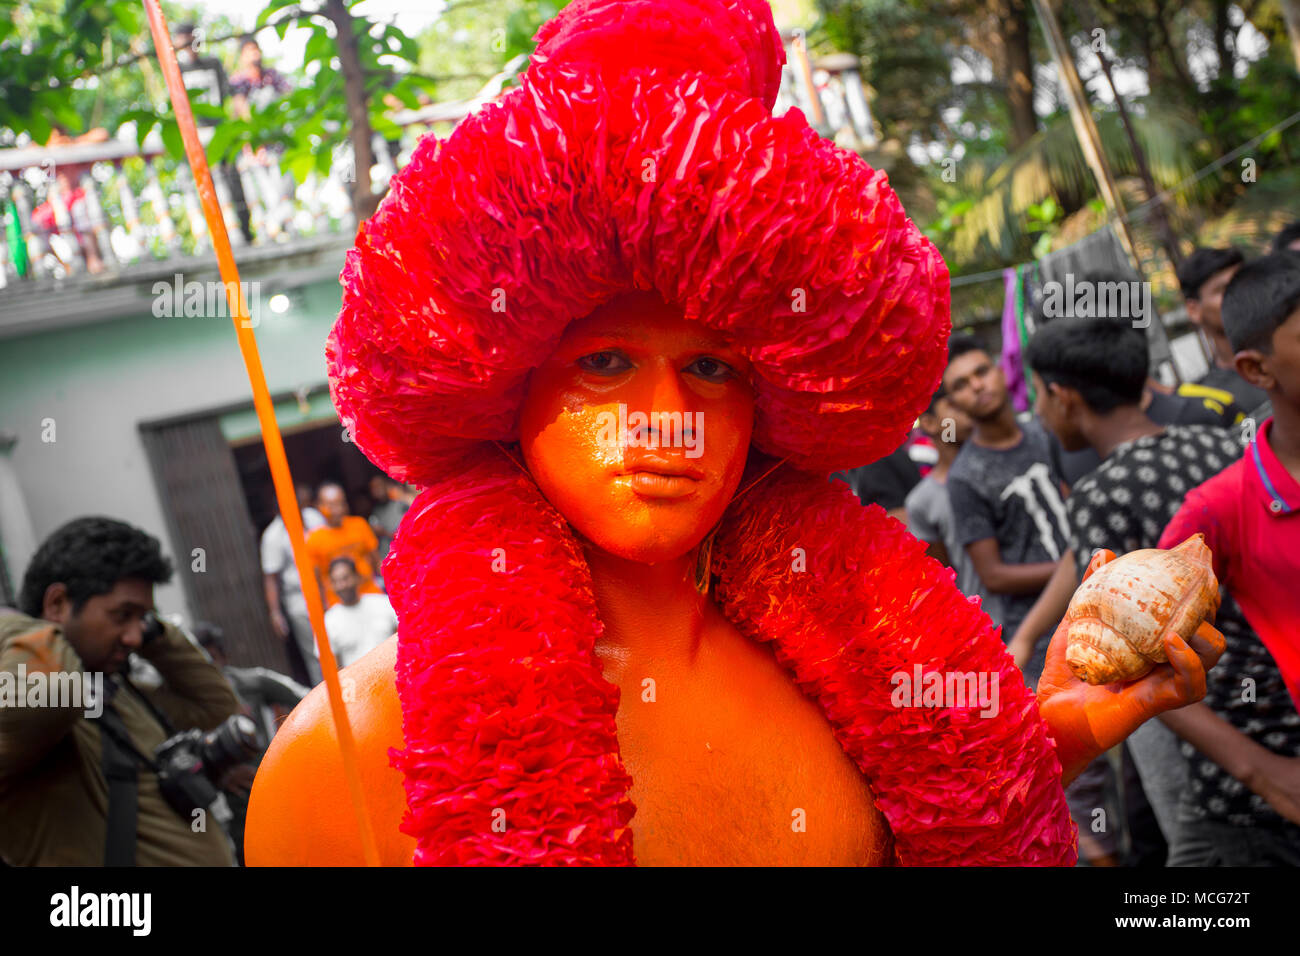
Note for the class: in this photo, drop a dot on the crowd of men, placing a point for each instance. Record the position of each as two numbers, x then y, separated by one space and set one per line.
1107 459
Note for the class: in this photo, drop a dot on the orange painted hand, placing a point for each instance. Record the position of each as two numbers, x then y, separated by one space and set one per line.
1086 720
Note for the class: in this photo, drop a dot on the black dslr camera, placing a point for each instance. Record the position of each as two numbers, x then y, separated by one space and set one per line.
191 762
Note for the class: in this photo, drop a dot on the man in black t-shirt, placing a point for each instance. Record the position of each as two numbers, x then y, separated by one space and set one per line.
1203 277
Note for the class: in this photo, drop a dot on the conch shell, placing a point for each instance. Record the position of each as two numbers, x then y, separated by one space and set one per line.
1118 618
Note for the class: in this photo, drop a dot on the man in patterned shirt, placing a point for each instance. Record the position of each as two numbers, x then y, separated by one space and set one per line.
1089 376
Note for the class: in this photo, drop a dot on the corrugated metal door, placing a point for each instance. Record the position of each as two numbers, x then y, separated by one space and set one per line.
205 506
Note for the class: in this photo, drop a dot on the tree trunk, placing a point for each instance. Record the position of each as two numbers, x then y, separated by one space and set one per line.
1291 14
1018 71
1167 41
364 202
1223 33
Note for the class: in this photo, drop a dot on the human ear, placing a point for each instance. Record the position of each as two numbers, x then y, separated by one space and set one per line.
1253 366
56 606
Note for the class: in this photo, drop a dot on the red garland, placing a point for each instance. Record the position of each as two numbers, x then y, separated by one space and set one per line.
505 707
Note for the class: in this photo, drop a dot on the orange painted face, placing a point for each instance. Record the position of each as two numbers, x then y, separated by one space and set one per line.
637 428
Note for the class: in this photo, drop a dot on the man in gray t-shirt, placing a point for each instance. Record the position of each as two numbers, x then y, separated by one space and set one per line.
929 518
1006 496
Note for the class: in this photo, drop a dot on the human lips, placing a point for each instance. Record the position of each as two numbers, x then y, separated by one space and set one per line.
653 477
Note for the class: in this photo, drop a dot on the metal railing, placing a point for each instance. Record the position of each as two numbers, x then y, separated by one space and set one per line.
97 209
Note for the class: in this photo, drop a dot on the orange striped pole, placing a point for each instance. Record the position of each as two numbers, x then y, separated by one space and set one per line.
284 490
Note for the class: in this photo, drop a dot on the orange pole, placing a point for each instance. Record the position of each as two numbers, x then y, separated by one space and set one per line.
284 490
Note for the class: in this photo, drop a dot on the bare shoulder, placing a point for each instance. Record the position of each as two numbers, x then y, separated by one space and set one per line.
300 812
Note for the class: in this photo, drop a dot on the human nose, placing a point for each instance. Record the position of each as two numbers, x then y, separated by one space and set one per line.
658 388
134 636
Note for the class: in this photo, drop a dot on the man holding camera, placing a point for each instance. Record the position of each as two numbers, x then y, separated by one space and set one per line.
84 778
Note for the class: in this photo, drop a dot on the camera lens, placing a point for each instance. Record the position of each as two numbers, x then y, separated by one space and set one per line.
233 742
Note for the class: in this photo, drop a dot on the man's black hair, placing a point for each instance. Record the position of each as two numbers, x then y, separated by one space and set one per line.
352 565
1286 235
939 393
209 635
961 343
1105 360
89 556
1202 264
1259 298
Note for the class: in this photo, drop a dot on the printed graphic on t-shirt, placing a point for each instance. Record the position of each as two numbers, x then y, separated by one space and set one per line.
1040 495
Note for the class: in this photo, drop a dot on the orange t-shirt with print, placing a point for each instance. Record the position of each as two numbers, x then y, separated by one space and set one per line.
352 539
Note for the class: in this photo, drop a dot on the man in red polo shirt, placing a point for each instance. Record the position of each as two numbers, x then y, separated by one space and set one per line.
1250 512
1250 516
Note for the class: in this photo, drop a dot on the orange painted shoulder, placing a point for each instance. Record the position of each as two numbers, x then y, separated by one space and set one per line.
300 813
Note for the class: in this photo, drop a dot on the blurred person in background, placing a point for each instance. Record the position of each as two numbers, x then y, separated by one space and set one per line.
929 512
1203 277
282 586
205 79
343 535
1161 406
358 623
253 86
265 695
67 182
79 788
886 482
391 505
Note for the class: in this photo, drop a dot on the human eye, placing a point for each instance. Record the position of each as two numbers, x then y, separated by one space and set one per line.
711 369
605 363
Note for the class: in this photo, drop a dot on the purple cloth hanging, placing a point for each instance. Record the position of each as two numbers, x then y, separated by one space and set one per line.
1011 362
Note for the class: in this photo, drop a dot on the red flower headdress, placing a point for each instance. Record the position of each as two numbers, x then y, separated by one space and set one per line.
639 152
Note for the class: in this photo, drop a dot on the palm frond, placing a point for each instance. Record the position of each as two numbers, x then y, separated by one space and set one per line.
1053 165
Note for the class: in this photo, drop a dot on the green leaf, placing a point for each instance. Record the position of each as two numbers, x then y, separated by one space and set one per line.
269 10
320 45
171 137
126 15
300 165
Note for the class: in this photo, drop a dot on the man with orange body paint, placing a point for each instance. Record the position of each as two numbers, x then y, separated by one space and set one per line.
728 744
615 651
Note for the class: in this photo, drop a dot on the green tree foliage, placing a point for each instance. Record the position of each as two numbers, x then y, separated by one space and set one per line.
938 71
